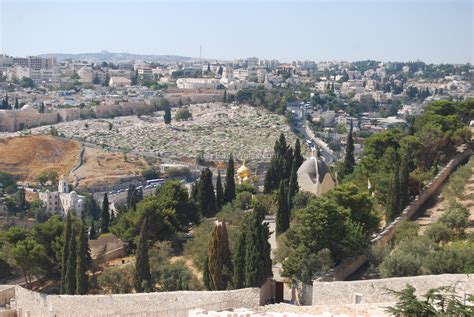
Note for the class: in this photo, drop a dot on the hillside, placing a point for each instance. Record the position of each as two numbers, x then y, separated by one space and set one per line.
26 157
101 168
120 57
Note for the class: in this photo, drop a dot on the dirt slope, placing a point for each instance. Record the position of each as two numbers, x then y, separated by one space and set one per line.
101 168
26 157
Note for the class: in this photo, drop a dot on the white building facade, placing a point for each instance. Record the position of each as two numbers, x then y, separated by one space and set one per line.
63 201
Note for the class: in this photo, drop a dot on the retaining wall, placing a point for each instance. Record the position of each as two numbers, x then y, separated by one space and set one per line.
166 304
347 268
374 291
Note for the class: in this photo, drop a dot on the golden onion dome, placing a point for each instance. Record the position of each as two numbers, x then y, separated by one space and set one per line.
243 171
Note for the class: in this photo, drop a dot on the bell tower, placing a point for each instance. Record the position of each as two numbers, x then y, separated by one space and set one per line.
63 186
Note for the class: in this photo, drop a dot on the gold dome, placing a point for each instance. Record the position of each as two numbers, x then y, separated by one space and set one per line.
243 172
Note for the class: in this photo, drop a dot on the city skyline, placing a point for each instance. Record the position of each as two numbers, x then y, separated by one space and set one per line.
386 31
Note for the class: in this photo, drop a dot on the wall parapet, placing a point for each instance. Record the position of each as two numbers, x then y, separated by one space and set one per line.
164 304
375 291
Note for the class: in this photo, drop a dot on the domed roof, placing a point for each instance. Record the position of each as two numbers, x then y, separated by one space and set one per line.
315 168
243 171
312 176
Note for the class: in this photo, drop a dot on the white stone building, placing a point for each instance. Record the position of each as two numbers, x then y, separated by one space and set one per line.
119 82
197 83
63 201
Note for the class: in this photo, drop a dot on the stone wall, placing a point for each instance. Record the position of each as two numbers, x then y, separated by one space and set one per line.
7 292
15 120
374 291
166 304
69 114
347 268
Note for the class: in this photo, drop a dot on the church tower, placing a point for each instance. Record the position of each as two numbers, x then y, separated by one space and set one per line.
63 186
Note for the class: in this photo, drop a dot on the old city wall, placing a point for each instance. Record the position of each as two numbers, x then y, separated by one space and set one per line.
349 267
375 291
15 120
164 304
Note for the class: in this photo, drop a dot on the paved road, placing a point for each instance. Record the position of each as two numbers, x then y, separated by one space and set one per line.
301 126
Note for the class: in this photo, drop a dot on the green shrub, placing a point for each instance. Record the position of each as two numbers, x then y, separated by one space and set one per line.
406 230
438 232
456 218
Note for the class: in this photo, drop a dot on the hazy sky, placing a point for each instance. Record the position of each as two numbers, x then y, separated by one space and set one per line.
429 30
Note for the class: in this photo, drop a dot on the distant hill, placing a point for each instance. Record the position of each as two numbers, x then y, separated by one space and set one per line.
121 57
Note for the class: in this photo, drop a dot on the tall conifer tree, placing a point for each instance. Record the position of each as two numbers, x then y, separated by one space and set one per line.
206 278
64 262
104 228
349 161
81 265
207 197
293 186
258 264
229 190
219 192
220 265
282 216
142 281
239 259
297 157
393 199
70 281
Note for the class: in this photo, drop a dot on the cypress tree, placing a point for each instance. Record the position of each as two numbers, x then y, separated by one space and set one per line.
142 278
207 198
393 199
404 183
280 165
297 157
205 275
349 161
229 190
167 115
219 192
130 194
220 265
269 181
64 261
93 232
239 259
258 264
70 281
21 199
104 228
17 106
81 267
293 186
280 145
282 216
224 98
